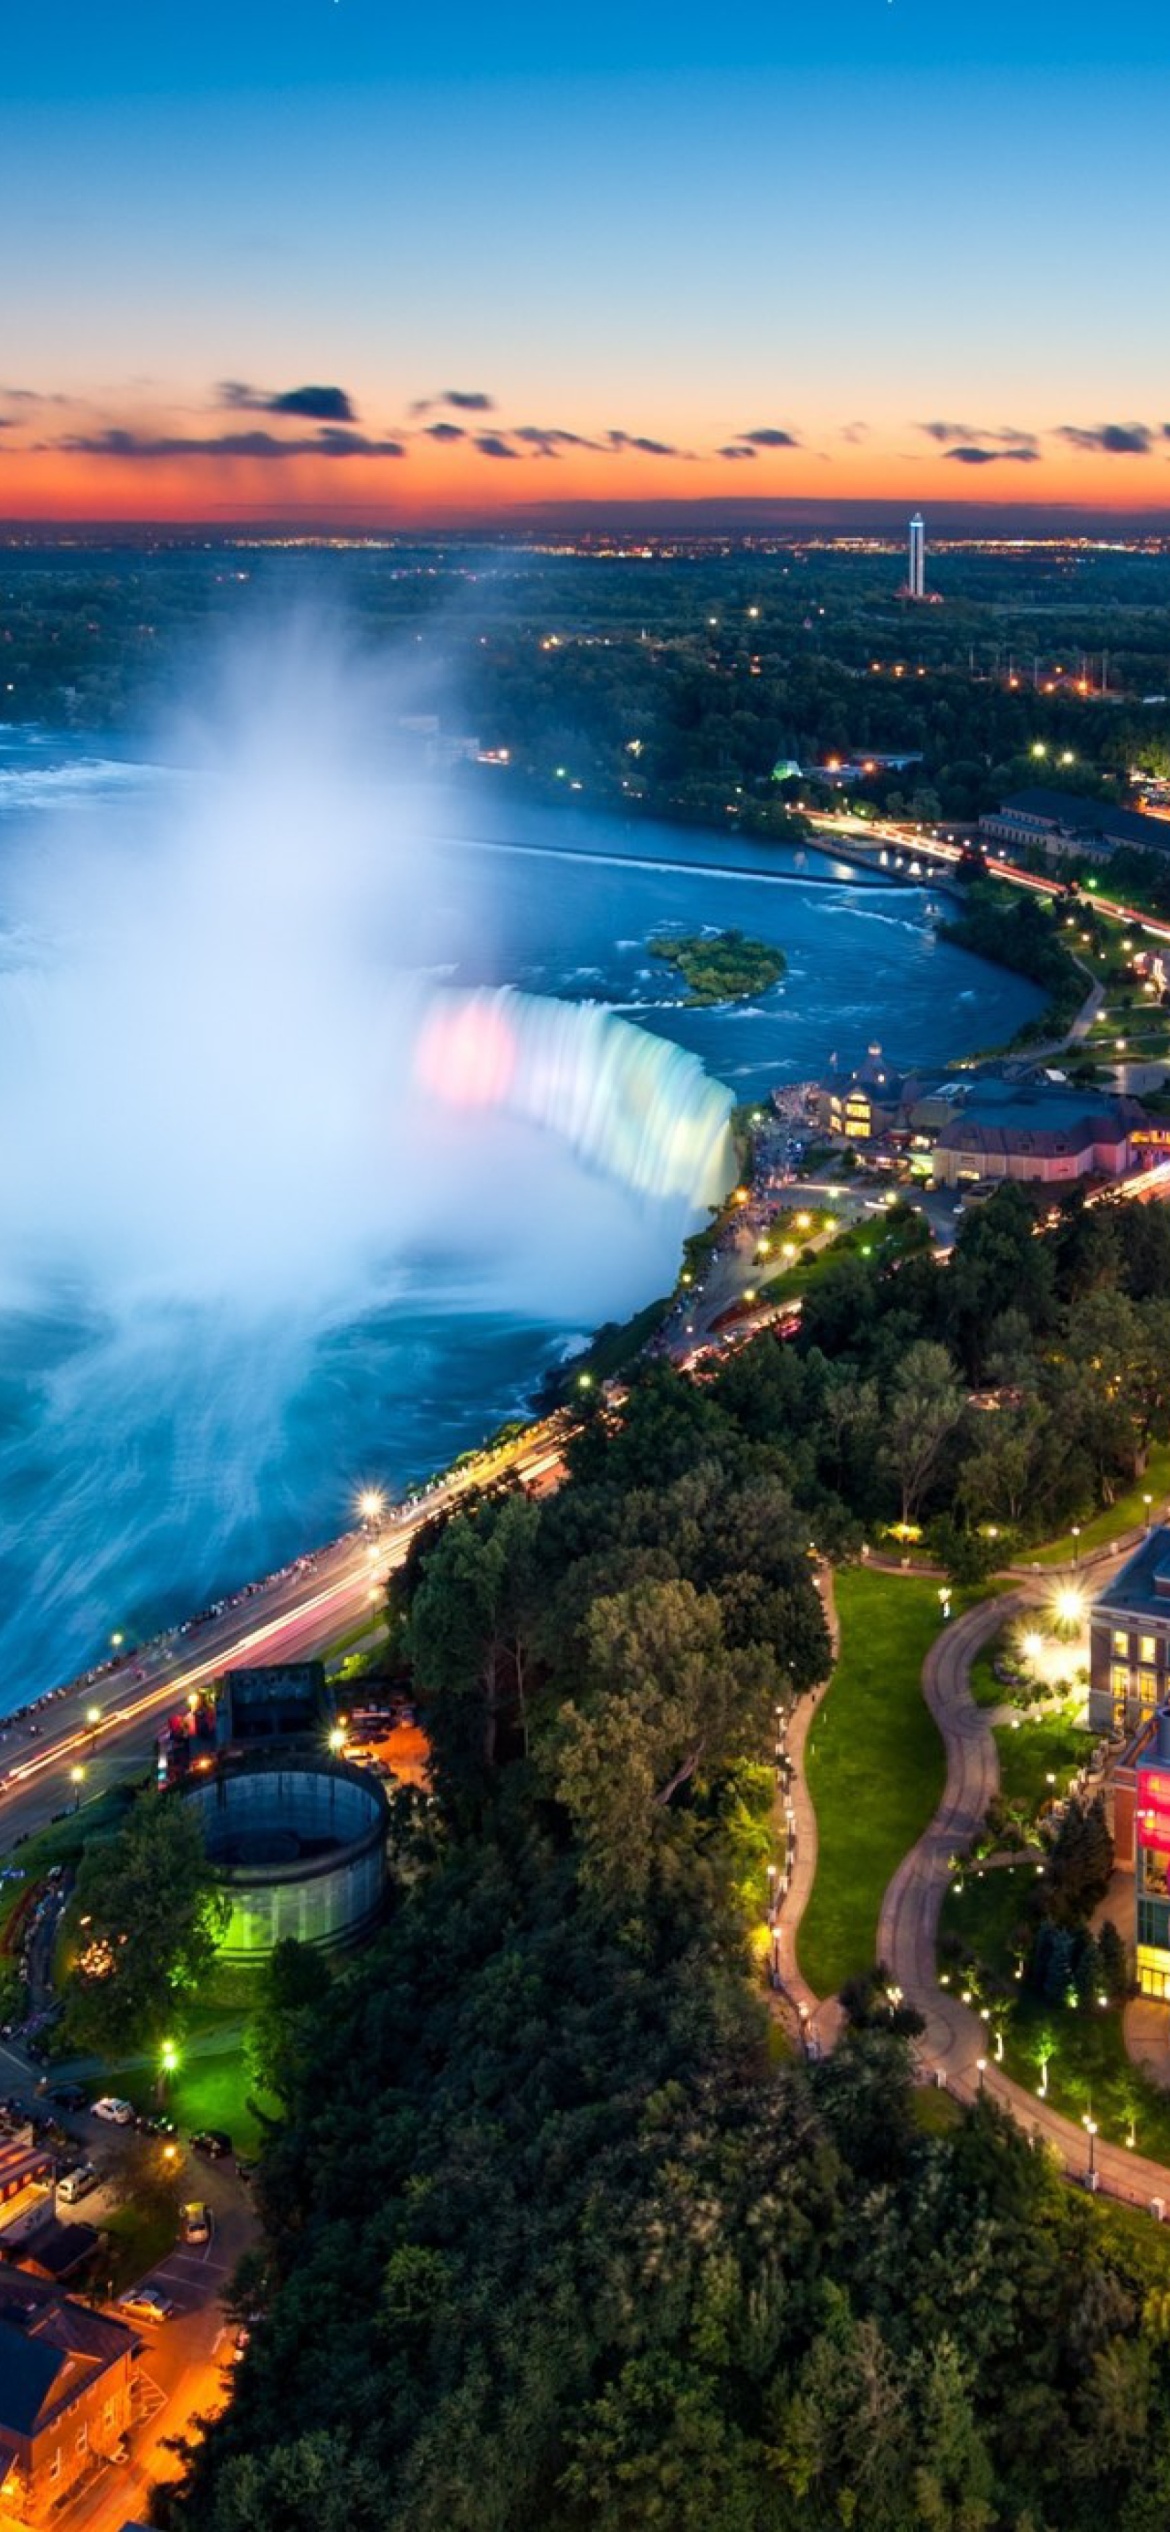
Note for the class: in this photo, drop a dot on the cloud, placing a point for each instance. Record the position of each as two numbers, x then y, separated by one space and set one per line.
490 444
1007 437
770 439
732 452
311 404
1025 455
462 399
444 431
1111 439
548 442
646 448
145 447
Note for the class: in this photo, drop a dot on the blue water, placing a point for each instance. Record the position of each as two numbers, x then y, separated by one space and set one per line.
133 1488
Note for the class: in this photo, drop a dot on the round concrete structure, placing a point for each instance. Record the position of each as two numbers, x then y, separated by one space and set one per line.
300 1848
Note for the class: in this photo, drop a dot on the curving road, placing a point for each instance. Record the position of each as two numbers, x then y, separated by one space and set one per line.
294 1615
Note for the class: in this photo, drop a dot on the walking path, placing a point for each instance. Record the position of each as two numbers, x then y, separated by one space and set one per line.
954 2046
819 2018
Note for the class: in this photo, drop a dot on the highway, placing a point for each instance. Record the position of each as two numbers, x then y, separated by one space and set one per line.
295 1615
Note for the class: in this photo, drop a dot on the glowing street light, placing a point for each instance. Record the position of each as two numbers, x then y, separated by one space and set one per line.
371 1505
1089 2125
337 1740
77 1779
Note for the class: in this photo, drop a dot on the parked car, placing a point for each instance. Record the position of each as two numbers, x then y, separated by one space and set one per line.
144 2303
76 2184
119 2114
215 2142
196 2222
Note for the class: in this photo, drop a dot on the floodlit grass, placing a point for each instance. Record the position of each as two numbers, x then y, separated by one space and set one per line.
983 1908
1032 1751
140 2235
1089 2069
211 2091
875 1767
986 1689
1128 1513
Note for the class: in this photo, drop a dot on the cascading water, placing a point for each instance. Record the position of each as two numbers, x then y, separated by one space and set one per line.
257 1238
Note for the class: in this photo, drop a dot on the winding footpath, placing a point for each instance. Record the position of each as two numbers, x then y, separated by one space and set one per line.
954 2039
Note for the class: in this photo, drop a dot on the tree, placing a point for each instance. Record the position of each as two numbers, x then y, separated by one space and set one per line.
150 1910
291 1985
924 1408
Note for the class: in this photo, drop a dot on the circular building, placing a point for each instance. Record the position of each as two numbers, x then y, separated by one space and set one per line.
299 1845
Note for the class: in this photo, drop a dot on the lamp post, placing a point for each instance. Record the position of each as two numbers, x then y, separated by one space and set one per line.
1089 2125
981 2063
93 1716
168 2059
1148 1501
77 1779
1076 1540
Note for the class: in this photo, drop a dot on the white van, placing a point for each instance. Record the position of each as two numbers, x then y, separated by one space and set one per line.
76 2184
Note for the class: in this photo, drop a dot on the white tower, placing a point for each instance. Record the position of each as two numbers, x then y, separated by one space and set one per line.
916 575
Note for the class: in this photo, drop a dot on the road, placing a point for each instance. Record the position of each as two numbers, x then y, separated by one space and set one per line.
293 1616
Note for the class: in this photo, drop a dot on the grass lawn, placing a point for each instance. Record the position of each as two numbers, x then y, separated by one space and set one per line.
1089 2066
211 2091
875 1767
982 1908
1032 1751
139 2237
986 1689
1127 1513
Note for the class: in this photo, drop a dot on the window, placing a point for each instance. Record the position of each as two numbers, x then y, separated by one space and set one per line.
1121 1644
1149 1650
1120 1680
108 2414
1148 1690
55 2464
82 2438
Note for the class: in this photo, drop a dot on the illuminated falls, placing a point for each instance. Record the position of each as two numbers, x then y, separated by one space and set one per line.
629 1104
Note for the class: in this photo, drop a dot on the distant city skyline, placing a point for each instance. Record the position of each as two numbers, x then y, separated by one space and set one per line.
316 267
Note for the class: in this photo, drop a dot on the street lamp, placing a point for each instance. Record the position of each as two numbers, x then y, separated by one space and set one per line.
337 1740
981 2063
168 2060
77 1779
1148 1501
1089 2125
371 1505
1076 1540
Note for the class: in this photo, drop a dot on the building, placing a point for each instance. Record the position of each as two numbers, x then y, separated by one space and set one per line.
275 1705
1065 827
1151 1860
65 2382
916 560
873 1100
1129 1639
1050 1134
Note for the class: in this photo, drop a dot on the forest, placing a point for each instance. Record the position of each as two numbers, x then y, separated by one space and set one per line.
557 2232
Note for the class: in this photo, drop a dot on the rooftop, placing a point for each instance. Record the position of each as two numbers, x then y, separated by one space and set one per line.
1142 1588
1079 816
50 2348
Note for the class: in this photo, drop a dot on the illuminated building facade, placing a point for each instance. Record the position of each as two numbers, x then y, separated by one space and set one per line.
916 564
1151 1863
1129 1639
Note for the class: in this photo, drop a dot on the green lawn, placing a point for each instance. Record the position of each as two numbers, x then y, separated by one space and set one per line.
875 1767
1031 1751
139 2237
1127 1513
1089 2066
982 1909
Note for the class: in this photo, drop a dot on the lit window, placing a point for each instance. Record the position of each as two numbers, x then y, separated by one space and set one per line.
1120 1681
1121 1645
82 2438
1148 1690
1149 1650
55 2464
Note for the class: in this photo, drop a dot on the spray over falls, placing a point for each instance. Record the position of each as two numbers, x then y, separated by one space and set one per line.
264 1173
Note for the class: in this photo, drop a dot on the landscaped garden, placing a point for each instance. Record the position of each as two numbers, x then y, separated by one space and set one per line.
874 1765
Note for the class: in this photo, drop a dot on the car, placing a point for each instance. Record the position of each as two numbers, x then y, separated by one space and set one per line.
144 2303
68 2096
196 2221
76 2184
214 2142
117 2113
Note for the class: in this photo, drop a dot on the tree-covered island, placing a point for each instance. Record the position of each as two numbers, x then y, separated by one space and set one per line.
720 966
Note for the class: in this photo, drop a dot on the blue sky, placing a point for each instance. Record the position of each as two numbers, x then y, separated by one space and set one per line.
774 244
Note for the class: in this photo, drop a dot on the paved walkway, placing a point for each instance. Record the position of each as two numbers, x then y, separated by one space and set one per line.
954 2039
819 2018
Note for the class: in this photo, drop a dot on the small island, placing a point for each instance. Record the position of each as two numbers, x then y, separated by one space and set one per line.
721 966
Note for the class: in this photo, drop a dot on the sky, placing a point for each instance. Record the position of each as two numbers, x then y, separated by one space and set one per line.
332 262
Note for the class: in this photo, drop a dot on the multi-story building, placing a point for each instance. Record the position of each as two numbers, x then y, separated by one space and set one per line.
916 558
1067 827
65 2387
1151 1860
872 1100
1129 1639
1041 1132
